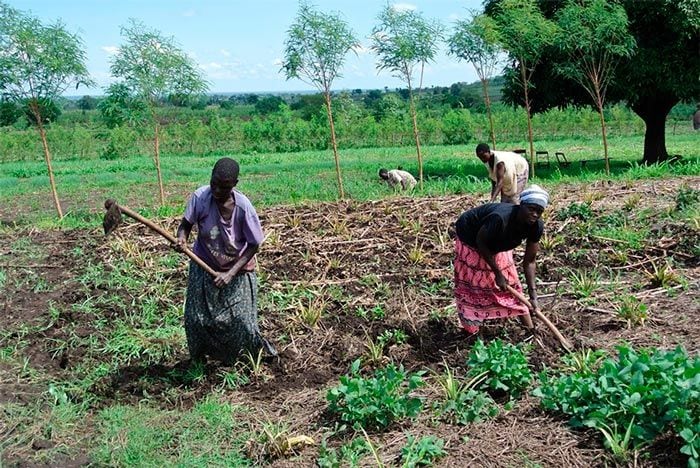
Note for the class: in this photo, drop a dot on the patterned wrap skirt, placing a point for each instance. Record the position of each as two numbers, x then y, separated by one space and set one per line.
477 296
221 322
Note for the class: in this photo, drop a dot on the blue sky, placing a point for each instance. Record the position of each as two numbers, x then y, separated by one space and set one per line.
239 44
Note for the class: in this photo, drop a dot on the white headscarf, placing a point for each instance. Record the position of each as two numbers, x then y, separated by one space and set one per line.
535 195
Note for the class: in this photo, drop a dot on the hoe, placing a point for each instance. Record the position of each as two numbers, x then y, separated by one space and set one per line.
563 341
113 217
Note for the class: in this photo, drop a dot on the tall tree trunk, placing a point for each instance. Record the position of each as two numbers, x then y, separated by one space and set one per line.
605 139
329 110
653 110
487 102
529 120
416 135
47 157
156 160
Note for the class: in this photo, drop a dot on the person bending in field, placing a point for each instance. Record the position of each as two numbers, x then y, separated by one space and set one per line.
508 172
483 266
396 178
221 319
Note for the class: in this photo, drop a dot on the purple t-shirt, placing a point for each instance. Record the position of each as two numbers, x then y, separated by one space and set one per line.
219 242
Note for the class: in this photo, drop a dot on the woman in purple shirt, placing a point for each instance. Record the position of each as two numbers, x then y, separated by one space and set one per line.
221 318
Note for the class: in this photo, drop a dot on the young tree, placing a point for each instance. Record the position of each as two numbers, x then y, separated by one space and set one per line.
315 49
476 41
402 40
594 36
524 33
152 67
37 64
667 33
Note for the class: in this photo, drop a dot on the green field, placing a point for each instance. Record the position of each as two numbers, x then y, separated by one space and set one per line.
357 296
292 178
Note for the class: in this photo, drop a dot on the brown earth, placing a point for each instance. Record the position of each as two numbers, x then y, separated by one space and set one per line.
350 256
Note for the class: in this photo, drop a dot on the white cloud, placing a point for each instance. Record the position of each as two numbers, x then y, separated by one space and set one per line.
212 66
111 50
403 6
188 13
277 62
225 53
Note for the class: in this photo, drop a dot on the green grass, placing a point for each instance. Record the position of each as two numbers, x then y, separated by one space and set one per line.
293 178
210 434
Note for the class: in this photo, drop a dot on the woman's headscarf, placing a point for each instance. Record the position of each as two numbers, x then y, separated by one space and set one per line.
535 195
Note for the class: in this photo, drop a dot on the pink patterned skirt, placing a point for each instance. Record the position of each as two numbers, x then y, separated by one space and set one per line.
478 298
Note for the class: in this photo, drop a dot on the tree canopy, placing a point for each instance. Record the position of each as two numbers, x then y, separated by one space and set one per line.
402 40
37 64
315 50
154 66
663 70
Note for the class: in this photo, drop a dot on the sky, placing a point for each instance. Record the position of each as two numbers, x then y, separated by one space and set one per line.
239 45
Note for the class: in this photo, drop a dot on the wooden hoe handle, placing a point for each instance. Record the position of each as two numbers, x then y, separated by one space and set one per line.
564 342
167 235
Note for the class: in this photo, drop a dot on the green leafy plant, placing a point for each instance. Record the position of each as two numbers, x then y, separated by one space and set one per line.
348 455
421 452
375 313
581 211
393 336
504 365
646 392
378 401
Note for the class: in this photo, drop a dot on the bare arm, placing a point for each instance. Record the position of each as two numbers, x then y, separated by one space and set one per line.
498 186
530 267
488 256
183 232
225 277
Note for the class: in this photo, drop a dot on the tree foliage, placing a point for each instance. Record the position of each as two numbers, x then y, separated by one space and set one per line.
315 50
663 71
37 64
525 33
476 41
120 106
316 46
594 37
152 67
402 40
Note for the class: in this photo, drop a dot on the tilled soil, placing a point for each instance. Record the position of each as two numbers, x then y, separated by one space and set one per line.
350 258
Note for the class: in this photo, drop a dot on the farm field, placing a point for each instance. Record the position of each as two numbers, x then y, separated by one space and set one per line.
94 365
271 179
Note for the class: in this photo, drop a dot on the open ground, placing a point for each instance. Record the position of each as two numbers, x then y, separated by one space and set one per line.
94 367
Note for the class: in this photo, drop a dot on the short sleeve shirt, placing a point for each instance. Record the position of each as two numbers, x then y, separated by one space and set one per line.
499 219
219 242
396 176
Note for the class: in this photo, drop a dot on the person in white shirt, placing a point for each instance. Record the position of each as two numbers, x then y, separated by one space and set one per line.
508 172
398 178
